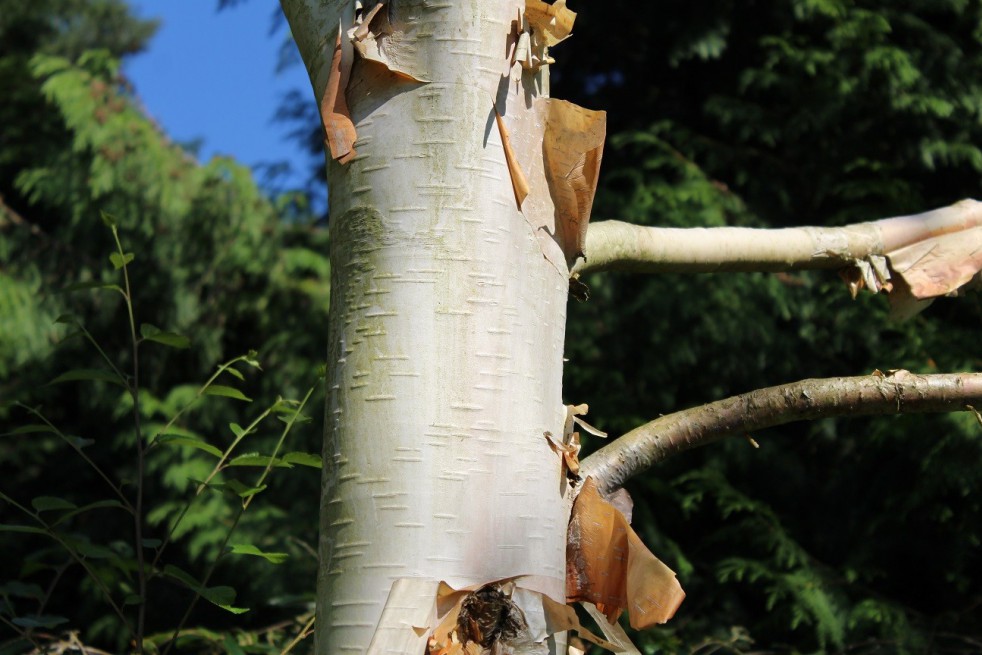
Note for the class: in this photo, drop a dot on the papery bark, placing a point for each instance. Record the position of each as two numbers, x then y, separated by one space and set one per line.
447 314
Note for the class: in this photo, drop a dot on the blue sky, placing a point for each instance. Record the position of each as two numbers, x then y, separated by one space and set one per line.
212 76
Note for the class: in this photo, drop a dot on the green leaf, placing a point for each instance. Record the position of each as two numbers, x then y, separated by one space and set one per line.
228 392
82 286
255 459
120 260
26 529
49 503
66 319
43 621
29 429
158 430
99 504
152 543
293 416
89 374
242 490
222 596
132 599
285 406
95 551
235 372
189 442
182 576
79 442
108 220
304 459
248 549
172 339
237 430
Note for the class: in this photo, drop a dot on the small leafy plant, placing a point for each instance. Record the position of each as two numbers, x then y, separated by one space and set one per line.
112 547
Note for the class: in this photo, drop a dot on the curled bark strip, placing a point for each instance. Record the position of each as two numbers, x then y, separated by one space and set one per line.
519 183
339 131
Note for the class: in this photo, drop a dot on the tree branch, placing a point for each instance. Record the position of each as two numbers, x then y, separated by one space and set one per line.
622 246
900 392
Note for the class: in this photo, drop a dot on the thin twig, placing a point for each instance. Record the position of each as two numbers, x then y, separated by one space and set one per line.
235 522
78 450
78 558
134 389
303 634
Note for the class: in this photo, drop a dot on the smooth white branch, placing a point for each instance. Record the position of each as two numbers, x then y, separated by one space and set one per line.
614 245
899 392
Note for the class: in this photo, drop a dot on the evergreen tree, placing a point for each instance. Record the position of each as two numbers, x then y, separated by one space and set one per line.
835 536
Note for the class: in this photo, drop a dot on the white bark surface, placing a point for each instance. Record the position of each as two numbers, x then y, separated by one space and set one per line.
446 329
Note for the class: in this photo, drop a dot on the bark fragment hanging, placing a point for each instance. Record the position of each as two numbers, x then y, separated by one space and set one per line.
519 183
339 131
609 566
553 22
548 25
915 274
572 147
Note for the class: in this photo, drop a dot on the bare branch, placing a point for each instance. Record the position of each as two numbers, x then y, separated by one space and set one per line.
622 246
900 392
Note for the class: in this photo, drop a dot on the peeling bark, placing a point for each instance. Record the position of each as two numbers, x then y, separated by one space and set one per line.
448 301
899 392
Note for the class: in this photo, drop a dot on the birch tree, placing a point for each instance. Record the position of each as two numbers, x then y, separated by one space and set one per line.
460 204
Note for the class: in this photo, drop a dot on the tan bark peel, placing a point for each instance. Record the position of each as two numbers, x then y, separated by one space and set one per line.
393 45
560 146
519 183
550 23
572 148
935 267
898 392
553 154
339 131
609 566
915 274
544 25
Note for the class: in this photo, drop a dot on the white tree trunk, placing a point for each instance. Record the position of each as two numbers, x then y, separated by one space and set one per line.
446 329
